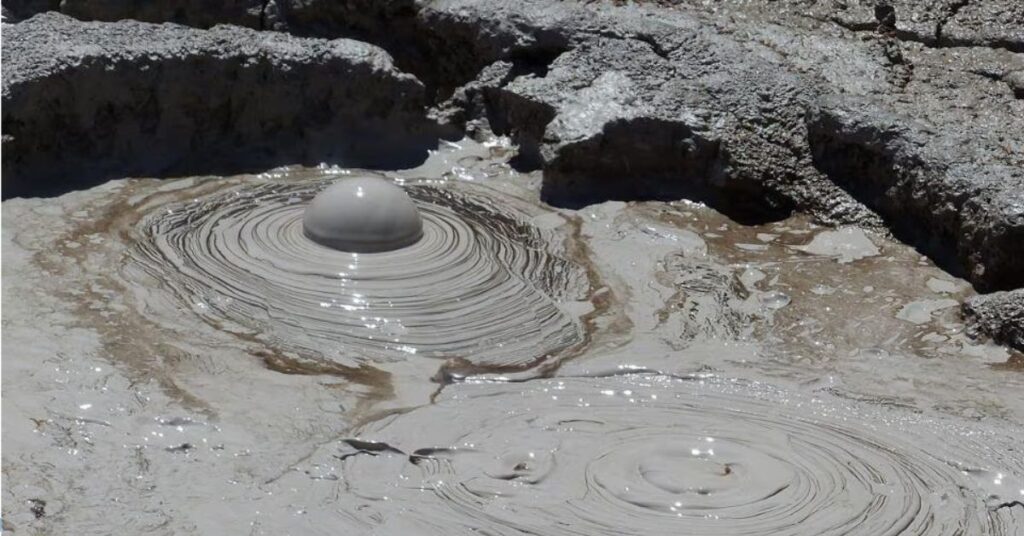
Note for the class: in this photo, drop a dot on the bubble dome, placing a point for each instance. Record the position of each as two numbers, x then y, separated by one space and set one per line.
363 215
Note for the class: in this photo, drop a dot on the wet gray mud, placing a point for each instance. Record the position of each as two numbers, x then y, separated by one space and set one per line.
179 359
653 454
479 286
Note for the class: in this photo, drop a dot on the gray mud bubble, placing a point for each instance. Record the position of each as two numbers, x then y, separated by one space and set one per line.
363 215
480 284
652 454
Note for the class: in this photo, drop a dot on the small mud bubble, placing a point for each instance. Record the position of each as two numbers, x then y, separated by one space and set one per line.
362 215
941 286
845 245
823 290
874 352
775 299
920 312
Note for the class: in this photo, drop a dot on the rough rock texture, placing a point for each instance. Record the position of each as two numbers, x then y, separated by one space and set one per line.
633 102
936 23
84 101
199 13
906 113
943 23
999 315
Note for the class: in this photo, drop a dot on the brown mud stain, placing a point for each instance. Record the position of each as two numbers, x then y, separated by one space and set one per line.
1014 363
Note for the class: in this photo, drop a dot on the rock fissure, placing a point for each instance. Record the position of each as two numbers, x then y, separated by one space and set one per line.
935 38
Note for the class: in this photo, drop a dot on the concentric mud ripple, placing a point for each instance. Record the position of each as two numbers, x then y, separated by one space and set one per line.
481 285
656 455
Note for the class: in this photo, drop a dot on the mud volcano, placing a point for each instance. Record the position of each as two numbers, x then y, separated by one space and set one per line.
450 273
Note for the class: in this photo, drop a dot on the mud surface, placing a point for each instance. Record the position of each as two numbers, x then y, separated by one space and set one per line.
696 374
478 286
651 454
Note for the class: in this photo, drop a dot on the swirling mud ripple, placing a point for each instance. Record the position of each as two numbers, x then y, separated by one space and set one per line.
647 454
481 285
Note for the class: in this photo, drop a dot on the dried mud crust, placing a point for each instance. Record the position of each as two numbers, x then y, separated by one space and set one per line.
905 114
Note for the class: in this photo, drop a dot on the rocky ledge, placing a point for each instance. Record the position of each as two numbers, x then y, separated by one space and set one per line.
85 101
906 115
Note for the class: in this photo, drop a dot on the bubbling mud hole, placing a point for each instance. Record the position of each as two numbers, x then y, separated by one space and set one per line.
653 454
480 286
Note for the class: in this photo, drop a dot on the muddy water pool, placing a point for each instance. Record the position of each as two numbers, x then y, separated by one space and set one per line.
178 359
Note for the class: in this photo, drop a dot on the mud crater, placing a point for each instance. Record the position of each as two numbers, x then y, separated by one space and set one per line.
481 286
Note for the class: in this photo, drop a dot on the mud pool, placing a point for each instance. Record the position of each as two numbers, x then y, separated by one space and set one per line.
179 359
